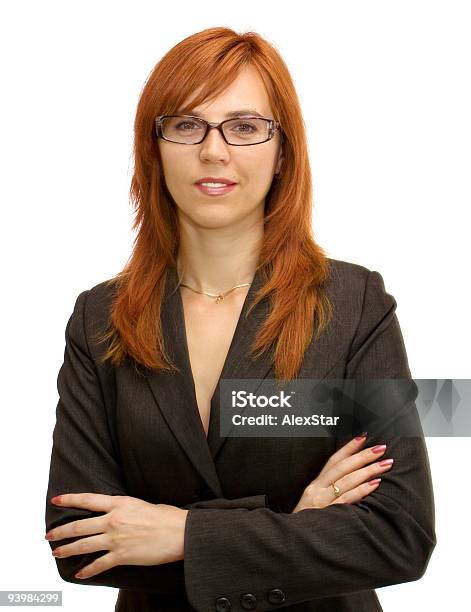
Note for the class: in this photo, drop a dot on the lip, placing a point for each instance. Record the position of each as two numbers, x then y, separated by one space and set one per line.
216 191
215 179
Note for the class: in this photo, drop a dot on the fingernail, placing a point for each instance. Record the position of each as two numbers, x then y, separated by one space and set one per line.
56 499
361 436
78 575
375 481
379 448
386 462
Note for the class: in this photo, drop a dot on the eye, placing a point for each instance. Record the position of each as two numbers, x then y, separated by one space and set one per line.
187 122
246 128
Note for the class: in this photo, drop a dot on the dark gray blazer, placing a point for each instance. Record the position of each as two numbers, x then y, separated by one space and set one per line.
121 431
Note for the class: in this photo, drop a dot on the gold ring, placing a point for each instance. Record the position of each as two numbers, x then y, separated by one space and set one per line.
337 491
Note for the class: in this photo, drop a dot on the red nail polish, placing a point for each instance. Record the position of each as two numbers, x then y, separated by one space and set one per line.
56 499
361 436
379 449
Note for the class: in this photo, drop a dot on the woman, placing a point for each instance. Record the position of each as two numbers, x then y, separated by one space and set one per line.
226 282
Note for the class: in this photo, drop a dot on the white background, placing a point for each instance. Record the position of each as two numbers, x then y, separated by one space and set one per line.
385 93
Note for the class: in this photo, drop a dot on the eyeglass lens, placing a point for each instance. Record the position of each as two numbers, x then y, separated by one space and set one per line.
237 131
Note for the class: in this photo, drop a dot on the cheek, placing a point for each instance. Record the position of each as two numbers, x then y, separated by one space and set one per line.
173 166
260 175
262 165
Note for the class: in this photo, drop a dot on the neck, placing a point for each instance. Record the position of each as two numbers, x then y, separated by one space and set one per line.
215 261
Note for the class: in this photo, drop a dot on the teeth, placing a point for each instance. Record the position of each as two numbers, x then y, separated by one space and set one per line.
214 184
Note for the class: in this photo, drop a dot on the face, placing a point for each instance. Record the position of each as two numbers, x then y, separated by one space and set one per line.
250 167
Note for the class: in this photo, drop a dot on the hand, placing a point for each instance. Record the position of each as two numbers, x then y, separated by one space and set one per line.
134 531
345 469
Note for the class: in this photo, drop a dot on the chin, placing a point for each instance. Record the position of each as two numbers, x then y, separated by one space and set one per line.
218 216
215 220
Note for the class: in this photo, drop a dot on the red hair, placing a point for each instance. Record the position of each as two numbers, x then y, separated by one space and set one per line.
294 267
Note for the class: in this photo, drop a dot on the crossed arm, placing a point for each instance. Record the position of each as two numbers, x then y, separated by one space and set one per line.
240 546
94 490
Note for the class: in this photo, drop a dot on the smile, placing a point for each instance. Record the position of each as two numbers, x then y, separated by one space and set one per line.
213 190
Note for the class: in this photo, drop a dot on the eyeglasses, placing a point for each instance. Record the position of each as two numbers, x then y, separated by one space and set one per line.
240 132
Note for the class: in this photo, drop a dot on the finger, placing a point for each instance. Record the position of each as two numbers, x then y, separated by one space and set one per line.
357 478
82 546
98 566
358 493
367 473
350 464
348 449
77 528
90 501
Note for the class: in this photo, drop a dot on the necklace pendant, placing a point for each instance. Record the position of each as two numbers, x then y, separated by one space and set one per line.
219 298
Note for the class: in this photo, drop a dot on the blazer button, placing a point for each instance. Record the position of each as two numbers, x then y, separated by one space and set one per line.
248 601
223 604
276 596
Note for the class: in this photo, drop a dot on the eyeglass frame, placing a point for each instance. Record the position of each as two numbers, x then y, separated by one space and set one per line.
272 128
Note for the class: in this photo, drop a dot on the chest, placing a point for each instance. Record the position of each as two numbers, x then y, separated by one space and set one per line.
210 328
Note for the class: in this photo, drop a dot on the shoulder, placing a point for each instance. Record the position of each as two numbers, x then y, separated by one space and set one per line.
346 276
101 295
357 293
91 313
96 301
352 279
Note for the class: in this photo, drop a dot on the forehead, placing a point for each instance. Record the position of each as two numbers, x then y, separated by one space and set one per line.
246 92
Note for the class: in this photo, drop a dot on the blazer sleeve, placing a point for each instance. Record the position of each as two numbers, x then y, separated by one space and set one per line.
387 538
83 460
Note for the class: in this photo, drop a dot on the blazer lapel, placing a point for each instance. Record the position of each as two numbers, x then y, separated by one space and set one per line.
239 364
175 392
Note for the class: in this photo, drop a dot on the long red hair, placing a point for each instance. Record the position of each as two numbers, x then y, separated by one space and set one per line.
294 267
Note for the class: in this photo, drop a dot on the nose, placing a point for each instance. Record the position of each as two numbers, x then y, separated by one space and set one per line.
214 146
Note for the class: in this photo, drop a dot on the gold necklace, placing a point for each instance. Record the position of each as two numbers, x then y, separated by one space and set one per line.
219 296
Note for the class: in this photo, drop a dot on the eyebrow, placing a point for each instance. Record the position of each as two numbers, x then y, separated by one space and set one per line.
234 113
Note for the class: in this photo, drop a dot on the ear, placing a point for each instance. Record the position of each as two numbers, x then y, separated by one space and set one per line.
280 160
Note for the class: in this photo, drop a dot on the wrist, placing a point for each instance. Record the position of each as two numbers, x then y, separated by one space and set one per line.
181 533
